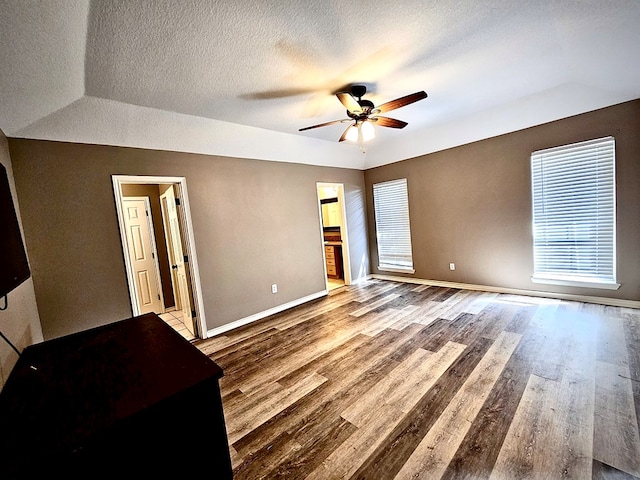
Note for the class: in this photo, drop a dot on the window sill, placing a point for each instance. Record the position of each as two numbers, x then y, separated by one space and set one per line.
383 268
576 283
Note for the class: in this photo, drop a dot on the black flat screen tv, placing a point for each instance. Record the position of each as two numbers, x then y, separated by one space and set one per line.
14 266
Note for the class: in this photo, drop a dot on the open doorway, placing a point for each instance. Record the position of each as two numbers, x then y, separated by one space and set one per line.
333 219
168 284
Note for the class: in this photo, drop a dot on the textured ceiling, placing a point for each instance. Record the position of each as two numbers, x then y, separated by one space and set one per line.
241 77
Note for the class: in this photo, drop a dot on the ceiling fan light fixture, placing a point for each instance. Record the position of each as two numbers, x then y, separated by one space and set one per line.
360 132
352 133
368 132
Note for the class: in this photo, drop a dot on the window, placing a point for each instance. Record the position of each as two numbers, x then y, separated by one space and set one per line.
574 225
391 207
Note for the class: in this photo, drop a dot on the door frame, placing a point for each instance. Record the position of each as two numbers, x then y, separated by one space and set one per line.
178 292
184 217
154 252
174 287
346 257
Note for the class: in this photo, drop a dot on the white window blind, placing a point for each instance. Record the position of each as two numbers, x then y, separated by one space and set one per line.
391 207
574 226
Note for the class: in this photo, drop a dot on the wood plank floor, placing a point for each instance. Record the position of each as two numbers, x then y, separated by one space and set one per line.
387 380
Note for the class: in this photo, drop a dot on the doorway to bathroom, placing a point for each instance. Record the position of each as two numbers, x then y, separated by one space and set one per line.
333 221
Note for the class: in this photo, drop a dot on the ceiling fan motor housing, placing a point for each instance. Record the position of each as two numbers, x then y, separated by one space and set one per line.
358 91
366 105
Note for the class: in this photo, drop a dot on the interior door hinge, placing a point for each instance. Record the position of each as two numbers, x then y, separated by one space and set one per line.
186 259
158 296
193 314
177 201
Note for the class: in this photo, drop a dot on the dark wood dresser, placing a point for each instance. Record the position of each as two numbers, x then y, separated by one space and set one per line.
132 399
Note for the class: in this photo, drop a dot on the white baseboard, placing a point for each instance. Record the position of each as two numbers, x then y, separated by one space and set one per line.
615 302
360 280
260 315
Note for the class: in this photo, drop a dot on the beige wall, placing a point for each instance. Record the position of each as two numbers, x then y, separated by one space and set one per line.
472 205
19 322
255 223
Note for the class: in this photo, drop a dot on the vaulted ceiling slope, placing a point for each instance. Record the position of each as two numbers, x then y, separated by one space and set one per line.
240 78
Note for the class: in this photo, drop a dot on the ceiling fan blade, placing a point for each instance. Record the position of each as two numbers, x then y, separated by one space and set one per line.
343 137
399 102
388 122
333 122
273 94
349 102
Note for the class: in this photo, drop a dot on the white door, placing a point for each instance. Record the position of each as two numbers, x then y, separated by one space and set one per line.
139 231
179 273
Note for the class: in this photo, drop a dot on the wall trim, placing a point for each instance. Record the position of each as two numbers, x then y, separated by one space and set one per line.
614 302
361 279
265 313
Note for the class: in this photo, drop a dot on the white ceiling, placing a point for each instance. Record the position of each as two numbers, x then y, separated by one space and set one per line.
239 78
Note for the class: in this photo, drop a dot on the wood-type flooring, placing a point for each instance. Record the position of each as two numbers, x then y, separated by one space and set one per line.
388 380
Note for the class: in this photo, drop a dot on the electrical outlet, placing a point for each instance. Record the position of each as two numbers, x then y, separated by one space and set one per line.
452 266
274 288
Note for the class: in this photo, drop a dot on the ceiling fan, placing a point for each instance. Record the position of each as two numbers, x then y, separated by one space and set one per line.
364 114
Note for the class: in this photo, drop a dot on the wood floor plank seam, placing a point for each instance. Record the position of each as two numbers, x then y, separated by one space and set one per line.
362 370
373 305
615 406
255 414
401 386
379 421
391 455
432 456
